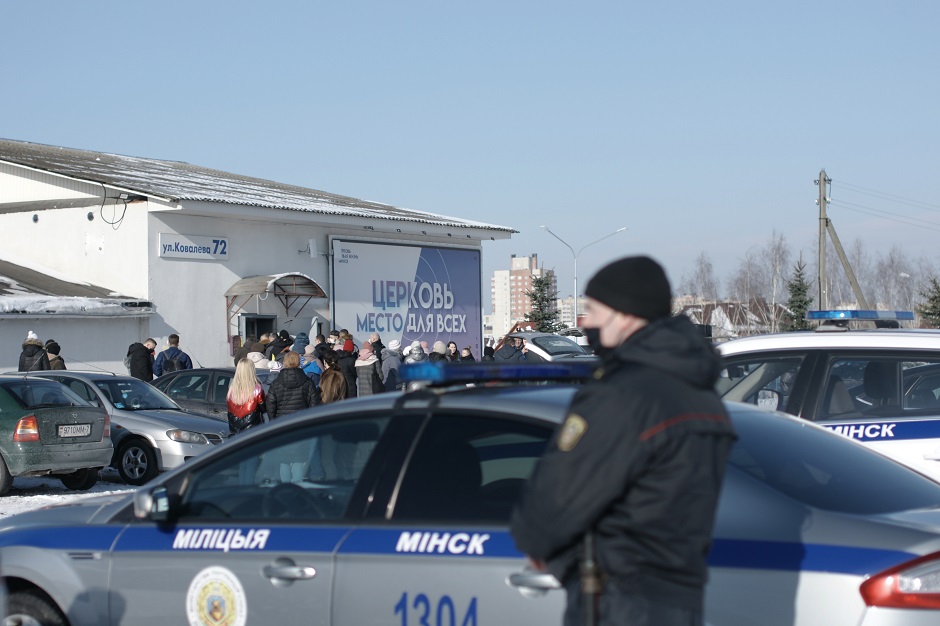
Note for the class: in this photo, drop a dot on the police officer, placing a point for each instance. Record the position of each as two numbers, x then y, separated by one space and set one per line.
637 465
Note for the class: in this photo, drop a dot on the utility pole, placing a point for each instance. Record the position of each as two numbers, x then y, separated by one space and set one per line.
826 225
823 299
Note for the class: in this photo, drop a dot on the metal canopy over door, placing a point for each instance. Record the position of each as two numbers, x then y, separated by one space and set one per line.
293 290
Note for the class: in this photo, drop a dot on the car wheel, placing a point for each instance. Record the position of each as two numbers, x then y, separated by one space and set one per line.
6 479
82 480
31 607
136 462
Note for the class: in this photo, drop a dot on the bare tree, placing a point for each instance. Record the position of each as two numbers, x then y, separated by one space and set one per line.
748 284
894 281
861 265
702 284
776 253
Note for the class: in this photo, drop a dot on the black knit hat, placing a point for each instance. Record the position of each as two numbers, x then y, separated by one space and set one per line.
635 285
52 347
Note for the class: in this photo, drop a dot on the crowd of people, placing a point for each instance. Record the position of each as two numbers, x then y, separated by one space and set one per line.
330 368
37 356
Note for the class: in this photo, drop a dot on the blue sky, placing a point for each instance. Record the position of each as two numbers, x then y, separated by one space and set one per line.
699 126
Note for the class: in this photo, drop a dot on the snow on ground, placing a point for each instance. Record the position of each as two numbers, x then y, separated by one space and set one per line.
28 494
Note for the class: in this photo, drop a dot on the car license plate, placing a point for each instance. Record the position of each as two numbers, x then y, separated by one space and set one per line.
74 430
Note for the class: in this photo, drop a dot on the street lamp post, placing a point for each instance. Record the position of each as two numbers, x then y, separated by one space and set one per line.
576 255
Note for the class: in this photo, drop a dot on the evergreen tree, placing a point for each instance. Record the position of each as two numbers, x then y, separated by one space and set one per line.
544 315
799 301
930 309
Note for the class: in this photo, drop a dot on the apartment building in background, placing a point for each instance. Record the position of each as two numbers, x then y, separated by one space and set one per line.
509 287
565 307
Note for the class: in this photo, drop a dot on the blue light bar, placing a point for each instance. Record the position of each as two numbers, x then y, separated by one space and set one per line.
442 373
860 315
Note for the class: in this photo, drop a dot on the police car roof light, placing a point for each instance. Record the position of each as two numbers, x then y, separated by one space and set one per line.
441 373
859 315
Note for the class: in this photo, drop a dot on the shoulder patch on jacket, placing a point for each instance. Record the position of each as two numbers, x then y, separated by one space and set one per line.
571 432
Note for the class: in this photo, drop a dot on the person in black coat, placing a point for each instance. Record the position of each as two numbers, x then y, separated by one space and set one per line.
140 359
638 462
510 351
291 391
346 359
377 346
242 352
33 357
320 348
283 341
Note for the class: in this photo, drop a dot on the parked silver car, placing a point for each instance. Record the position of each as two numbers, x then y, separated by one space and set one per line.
151 433
394 509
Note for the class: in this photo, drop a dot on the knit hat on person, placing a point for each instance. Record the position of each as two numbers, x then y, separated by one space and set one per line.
366 352
348 346
636 285
53 348
394 345
32 335
284 335
440 347
308 350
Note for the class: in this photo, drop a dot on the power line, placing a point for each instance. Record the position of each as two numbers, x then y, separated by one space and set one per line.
886 196
894 217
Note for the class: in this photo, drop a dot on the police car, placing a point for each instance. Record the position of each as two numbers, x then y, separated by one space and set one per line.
394 509
879 386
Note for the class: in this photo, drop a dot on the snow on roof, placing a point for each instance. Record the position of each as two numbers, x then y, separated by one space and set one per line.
35 290
181 181
32 305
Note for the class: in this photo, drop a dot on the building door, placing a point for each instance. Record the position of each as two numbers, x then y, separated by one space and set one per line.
257 325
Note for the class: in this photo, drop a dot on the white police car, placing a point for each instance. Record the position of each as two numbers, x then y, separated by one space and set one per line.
879 386
393 509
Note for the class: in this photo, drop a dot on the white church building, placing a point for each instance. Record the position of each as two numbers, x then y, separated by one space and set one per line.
101 250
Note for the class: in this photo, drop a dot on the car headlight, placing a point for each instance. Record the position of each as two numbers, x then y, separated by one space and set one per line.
186 436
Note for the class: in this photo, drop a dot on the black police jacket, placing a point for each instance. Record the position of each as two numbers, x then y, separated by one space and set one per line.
639 461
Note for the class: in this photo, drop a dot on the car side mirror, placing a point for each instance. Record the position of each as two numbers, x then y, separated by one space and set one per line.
153 505
768 399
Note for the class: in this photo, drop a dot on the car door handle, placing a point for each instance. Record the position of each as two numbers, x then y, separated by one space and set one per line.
284 572
534 580
532 583
289 572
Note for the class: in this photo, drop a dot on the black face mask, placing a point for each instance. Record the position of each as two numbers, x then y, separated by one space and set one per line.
594 340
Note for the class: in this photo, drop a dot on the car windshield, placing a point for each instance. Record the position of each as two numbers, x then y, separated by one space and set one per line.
555 345
33 394
134 395
826 471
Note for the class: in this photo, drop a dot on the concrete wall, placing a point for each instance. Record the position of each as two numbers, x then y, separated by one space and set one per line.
87 344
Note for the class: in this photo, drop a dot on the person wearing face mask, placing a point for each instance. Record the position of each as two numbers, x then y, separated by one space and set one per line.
630 481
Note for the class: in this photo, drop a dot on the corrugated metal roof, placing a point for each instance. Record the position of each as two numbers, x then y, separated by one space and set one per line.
17 280
181 181
26 291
